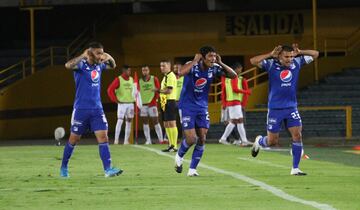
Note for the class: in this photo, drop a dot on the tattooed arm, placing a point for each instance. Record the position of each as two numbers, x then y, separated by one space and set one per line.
72 64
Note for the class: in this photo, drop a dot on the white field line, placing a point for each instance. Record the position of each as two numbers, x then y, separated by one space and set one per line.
275 191
263 162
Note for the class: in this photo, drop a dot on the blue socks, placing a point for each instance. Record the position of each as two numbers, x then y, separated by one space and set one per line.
104 152
296 152
197 153
196 156
68 150
184 147
263 141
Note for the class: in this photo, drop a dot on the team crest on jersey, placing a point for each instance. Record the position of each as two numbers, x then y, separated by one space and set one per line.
200 83
285 75
95 76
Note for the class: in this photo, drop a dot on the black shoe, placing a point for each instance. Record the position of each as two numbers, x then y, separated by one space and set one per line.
301 174
178 163
178 169
169 149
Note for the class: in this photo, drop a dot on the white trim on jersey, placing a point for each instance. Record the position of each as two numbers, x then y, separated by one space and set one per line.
308 59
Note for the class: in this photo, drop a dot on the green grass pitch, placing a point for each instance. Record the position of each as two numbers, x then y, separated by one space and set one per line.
29 179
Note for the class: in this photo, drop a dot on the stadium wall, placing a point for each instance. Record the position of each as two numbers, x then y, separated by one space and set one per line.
148 38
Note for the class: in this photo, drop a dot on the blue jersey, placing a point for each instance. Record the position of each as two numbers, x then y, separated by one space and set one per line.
195 90
283 81
88 85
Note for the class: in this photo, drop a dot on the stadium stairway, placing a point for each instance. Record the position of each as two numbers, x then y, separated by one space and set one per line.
342 89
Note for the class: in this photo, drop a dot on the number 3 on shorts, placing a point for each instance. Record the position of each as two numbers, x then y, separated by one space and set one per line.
295 115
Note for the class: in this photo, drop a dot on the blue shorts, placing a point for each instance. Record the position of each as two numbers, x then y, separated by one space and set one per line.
194 119
83 120
275 117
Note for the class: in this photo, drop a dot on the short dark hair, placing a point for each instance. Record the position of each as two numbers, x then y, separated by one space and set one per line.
125 67
95 45
287 48
206 49
236 65
144 65
165 61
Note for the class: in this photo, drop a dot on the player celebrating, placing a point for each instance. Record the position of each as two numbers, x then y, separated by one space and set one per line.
149 85
283 66
88 111
198 75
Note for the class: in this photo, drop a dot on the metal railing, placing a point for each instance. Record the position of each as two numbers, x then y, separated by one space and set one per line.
47 57
347 109
342 44
255 78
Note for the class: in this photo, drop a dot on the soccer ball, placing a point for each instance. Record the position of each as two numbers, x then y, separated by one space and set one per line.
59 133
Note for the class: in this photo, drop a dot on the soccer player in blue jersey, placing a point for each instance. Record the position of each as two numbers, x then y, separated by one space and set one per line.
193 105
88 111
283 65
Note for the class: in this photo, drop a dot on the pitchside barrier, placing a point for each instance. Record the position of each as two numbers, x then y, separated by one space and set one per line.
347 109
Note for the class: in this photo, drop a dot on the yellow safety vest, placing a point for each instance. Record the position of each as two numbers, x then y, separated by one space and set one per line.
230 94
125 90
179 84
147 90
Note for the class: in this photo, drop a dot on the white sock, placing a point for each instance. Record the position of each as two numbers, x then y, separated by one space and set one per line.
242 132
146 129
127 131
118 129
159 132
228 130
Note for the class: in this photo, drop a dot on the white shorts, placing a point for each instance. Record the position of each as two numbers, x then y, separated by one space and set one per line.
149 111
235 112
224 115
125 110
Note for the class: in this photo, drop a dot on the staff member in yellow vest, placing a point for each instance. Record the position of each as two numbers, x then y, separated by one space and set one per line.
121 92
149 85
179 85
168 104
234 93
179 81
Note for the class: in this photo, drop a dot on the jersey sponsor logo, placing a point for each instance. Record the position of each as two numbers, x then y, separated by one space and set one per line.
95 76
200 83
285 75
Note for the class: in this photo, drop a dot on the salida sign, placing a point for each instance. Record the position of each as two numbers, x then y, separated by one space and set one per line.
264 24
